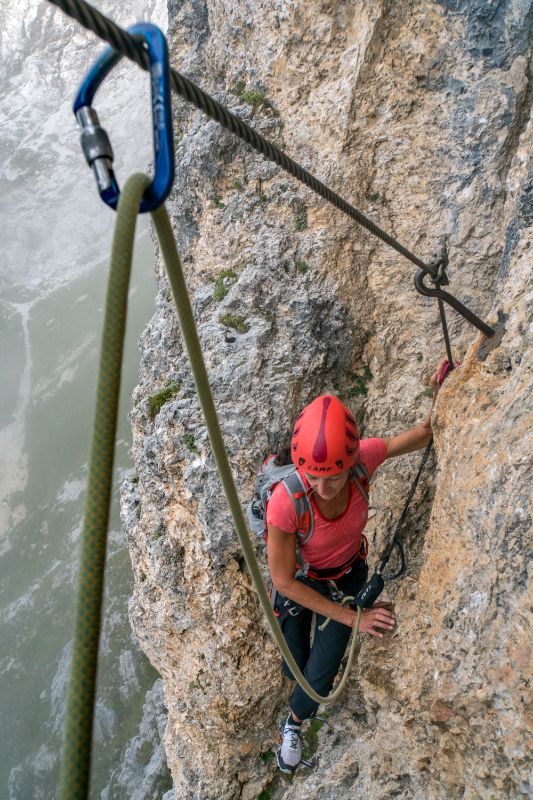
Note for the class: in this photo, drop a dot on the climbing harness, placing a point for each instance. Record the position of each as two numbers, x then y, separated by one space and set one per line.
325 577
140 193
94 139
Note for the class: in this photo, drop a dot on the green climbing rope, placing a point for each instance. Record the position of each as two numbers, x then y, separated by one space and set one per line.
75 766
194 351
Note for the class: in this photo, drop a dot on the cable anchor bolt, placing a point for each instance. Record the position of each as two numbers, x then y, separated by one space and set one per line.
451 301
440 262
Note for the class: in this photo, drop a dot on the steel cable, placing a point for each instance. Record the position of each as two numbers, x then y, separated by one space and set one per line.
120 40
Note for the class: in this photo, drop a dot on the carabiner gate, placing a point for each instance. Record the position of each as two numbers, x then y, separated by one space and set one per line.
95 141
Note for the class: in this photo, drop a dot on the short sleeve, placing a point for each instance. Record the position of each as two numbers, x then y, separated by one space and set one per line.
280 511
373 452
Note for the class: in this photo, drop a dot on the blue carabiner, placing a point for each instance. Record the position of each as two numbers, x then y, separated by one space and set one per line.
95 141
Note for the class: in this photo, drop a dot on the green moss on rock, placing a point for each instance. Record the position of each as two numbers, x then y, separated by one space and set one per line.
359 383
234 322
157 401
188 441
310 738
300 220
253 97
223 283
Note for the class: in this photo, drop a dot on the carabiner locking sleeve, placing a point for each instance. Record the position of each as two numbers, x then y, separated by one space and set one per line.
95 141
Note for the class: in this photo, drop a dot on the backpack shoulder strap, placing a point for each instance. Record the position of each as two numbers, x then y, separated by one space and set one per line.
361 478
295 488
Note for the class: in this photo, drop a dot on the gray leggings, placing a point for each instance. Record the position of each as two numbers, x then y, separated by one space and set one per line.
320 661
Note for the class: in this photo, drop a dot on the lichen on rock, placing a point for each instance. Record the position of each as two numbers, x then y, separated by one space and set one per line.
420 115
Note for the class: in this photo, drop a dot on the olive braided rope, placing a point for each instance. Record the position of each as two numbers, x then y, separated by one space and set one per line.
75 766
189 333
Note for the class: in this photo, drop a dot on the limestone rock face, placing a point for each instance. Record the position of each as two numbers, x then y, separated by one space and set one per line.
418 114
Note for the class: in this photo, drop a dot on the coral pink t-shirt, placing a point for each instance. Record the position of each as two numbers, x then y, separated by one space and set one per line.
334 541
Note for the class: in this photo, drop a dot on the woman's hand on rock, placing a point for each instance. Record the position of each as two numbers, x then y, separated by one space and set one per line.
377 620
434 383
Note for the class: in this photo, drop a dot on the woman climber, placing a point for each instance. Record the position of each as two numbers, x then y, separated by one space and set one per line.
328 454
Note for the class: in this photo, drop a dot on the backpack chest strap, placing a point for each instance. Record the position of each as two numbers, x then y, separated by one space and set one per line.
361 478
297 491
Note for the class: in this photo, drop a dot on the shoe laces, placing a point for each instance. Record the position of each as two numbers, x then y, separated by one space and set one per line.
294 736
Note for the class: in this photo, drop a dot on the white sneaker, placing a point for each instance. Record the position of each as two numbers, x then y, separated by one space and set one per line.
289 753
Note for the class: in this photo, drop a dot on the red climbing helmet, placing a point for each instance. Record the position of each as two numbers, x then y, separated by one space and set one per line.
325 440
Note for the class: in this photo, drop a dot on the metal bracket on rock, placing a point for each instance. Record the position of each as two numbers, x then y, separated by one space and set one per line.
452 301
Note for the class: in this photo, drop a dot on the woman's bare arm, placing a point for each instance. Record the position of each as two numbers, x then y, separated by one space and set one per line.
411 440
416 438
